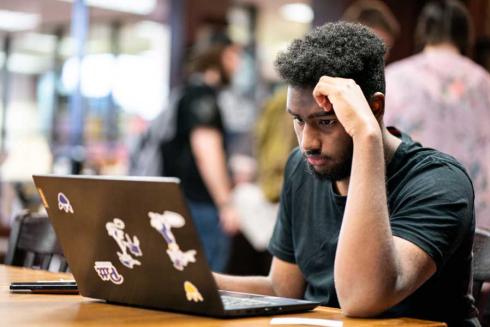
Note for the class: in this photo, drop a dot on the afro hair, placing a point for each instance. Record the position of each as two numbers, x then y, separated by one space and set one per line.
339 49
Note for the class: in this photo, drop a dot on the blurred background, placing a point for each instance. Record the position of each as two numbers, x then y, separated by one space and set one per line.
81 80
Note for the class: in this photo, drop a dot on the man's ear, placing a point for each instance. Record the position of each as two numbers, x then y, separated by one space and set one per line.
377 104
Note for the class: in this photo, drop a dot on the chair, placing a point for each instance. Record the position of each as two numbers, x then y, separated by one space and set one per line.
481 269
33 243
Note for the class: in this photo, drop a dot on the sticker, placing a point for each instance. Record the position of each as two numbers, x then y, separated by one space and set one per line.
107 271
64 203
43 198
115 229
192 293
163 223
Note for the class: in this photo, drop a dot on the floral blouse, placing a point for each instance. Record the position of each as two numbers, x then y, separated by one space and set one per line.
442 100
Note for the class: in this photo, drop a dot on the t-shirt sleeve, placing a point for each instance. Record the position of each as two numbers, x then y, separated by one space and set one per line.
203 111
281 244
435 211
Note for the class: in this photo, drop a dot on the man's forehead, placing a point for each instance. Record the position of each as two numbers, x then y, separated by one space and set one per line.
298 96
301 102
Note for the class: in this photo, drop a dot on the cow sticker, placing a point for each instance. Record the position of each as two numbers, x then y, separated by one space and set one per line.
107 272
164 223
115 229
192 293
64 203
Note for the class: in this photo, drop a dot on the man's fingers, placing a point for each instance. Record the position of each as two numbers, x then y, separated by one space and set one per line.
320 93
330 87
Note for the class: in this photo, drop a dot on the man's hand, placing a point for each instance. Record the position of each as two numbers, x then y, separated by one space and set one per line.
229 219
285 279
345 98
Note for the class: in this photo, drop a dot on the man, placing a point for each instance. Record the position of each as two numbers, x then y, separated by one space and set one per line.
369 220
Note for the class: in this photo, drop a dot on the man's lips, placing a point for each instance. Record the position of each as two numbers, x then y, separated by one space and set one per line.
316 160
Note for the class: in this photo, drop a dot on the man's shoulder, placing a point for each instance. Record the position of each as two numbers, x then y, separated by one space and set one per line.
420 161
295 160
296 170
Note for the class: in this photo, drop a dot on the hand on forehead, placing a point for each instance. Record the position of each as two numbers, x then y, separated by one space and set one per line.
301 98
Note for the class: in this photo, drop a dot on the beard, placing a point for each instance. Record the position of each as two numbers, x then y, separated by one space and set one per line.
336 171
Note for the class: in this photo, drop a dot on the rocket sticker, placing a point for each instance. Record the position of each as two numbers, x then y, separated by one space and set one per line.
64 203
192 293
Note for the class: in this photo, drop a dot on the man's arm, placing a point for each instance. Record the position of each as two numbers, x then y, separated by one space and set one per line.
207 147
285 279
373 269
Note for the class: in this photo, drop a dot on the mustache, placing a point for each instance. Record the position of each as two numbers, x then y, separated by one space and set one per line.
313 153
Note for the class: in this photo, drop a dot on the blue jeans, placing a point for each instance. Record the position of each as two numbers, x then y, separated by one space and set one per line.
215 241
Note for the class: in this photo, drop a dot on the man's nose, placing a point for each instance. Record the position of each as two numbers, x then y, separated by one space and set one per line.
309 138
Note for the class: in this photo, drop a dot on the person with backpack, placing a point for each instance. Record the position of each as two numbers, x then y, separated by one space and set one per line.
197 154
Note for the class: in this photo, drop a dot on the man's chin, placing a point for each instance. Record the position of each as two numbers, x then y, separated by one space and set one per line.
328 174
320 174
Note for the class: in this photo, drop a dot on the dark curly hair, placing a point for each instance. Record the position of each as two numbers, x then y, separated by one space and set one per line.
337 49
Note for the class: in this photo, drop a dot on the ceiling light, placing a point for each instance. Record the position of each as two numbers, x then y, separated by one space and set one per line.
14 21
297 12
139 7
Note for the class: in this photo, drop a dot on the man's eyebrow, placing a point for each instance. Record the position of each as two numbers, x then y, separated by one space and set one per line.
313 115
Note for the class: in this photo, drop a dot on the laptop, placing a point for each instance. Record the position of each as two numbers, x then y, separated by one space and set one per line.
131 240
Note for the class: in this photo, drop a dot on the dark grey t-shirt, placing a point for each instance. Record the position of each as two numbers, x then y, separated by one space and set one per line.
198 107
430 199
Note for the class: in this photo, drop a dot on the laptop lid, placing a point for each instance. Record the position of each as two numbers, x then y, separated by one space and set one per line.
130 240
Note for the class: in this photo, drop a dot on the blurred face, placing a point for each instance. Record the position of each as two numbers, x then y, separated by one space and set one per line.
231 60
325 145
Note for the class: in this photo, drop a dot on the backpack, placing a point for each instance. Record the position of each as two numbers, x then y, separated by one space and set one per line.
147 157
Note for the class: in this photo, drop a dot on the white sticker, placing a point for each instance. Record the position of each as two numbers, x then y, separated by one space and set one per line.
192 293
64 203
115 229
164 223
107 271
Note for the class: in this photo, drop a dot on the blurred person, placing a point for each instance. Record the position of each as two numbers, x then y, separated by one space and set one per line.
378 17
258 184
442 99
275 139
198 153
369 221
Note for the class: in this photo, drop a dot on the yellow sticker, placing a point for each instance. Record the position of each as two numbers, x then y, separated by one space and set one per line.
43 198
192 293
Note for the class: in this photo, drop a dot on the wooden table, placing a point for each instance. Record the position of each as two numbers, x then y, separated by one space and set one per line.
75 310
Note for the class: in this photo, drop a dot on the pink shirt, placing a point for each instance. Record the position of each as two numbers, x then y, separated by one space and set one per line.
442 100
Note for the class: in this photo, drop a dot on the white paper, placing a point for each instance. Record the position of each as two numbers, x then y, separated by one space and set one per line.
257 215
306 321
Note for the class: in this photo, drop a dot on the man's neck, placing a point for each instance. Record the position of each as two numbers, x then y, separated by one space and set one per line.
390 145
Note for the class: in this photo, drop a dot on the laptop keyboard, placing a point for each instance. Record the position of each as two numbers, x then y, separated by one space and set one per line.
234 301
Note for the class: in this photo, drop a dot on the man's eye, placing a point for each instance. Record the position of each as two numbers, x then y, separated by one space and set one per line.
298 120
326 122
